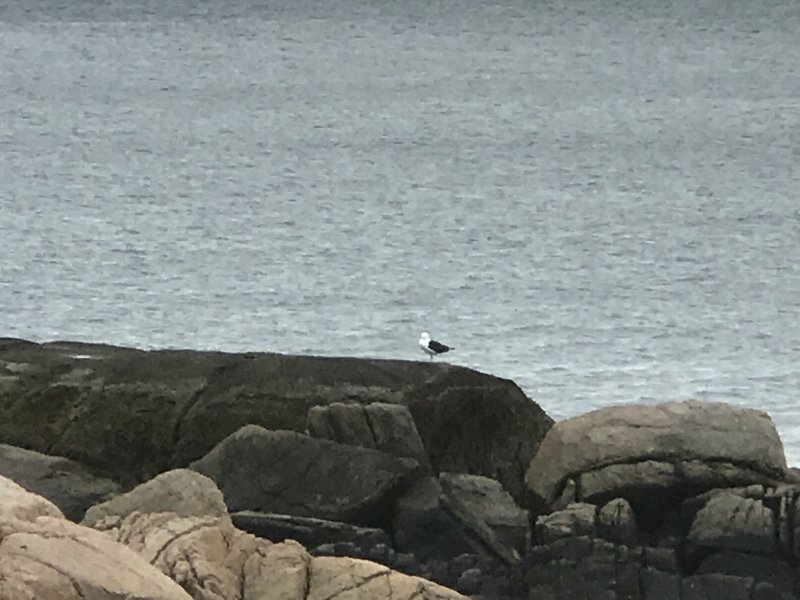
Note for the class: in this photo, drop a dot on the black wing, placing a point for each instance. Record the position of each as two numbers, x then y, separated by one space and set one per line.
437 347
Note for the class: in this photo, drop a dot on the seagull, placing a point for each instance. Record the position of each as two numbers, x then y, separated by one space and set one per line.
431 347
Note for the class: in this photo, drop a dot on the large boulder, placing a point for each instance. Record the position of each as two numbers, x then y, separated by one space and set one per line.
291 473
66 483
215 561
184 492
133 414
43 555
651 455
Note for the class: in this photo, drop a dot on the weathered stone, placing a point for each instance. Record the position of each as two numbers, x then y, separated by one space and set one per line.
214 561
395 432
484 506
585 567
766 591
389 428
18 503
764 569
785 501
661 559
708 443
543 592
715 587
569 495
131 414
66 483
736 523
471 424
205 555
380 553
184 492
469 582
290 473
276 572
460 514
627 566
622 478
617 522
423 527
354 579
575 520
578 567
114 409
343 422
43 555
657 585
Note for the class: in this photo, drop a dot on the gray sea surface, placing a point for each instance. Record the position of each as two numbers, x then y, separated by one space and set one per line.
599 200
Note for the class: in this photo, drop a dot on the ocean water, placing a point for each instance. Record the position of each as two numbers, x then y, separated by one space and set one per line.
599 200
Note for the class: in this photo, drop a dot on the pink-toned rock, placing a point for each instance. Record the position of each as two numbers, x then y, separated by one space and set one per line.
184 492
277 571
355 579
204 554
213 560
18 503
42 555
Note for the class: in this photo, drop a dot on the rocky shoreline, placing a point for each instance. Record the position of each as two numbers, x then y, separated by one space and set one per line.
244 476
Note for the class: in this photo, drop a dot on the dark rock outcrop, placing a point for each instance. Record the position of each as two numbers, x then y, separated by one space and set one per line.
66 483
131 414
